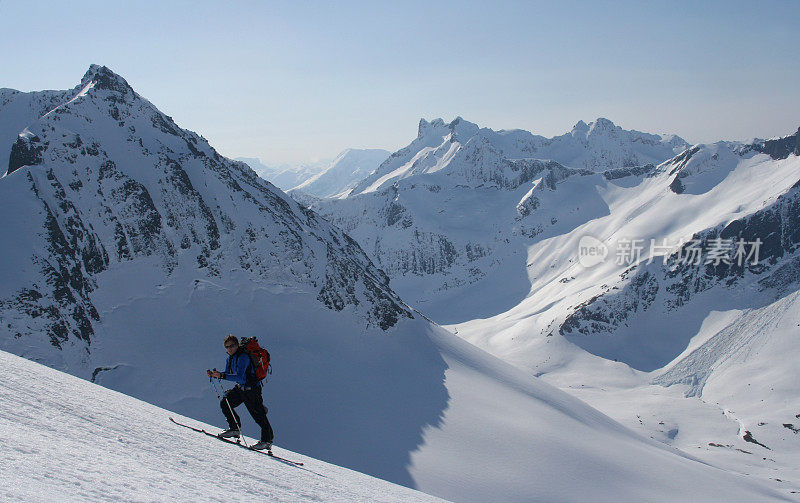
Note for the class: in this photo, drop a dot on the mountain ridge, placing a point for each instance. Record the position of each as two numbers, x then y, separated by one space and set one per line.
129 232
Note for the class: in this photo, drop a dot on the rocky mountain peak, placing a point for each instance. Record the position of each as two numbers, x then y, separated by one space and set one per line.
462 130
780 148
104 181
426 127
580 129
602 125
104 78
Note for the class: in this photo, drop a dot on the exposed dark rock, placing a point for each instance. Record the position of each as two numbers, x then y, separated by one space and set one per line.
104 78
394 213
680 161
763 246
26 151
677 186
748 437
780 148
615 174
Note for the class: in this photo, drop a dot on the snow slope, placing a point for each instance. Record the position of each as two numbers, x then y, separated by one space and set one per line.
682 326
20 109
67 437
553 448
730 399
349 167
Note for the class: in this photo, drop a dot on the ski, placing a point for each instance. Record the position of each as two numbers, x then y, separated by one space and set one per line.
235 442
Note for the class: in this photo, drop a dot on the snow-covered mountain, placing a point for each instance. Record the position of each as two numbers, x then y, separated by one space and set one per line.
540 259
349 168
460 202
285 176
116 181
134 243
694 346
131 248
439 146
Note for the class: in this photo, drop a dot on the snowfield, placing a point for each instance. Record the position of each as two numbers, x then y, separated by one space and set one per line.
65 439
503 438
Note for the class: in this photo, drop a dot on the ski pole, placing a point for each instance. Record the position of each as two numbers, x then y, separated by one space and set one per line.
233 415
238 424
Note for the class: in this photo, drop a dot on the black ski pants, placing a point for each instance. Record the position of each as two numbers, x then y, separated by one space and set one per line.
252 399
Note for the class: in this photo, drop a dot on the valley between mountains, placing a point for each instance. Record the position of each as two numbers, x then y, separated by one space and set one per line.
481 316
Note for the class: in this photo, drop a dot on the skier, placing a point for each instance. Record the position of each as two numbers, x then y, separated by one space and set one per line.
247 390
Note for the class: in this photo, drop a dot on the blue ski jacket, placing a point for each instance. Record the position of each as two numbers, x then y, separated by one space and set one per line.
236 369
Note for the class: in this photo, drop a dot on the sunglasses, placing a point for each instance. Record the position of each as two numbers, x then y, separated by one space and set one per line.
228 346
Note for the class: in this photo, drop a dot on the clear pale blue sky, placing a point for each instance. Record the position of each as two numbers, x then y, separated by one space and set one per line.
296 81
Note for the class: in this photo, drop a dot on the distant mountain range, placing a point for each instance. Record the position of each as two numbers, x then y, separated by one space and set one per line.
458 202
325 178
285 176
349 168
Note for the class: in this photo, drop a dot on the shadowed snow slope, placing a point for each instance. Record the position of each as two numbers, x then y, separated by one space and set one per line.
533 443
66 439
554 448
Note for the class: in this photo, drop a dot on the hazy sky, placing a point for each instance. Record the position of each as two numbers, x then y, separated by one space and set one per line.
296 81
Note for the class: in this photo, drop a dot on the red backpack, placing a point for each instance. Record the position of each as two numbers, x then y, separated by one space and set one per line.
259 357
